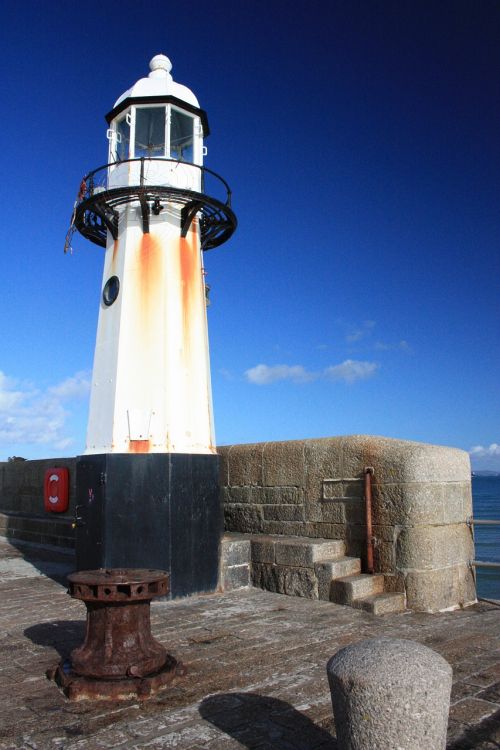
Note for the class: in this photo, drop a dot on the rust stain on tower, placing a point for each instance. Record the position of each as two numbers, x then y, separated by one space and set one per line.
115 253
190 263
149 265
190 272
139 446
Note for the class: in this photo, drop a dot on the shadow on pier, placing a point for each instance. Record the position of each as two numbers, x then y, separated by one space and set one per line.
257 721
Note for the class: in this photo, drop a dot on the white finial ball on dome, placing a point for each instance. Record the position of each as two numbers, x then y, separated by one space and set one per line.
160 66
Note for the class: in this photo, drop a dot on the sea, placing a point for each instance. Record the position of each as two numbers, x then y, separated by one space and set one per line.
486 505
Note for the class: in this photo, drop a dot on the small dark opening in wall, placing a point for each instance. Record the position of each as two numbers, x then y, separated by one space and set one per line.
111 290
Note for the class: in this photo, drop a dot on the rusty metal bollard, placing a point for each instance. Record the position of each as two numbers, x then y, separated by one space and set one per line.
119 658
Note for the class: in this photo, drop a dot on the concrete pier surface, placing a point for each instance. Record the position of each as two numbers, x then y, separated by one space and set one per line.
256 667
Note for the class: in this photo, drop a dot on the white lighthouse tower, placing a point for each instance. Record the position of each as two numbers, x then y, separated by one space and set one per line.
155 208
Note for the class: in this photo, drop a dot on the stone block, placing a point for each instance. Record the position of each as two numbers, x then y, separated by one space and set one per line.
433 590
394 582
457 502
384 557
384 533
467 585
245 464
332 489
246 495
355 547
285 528
326 572
356 532
268 577
282 496
262 549
322 461
403 460
431 547
300 582
467 500
333 512
235 577
344 590
234 550
283 512
283 463
305 552
354 511
224 495
354 488
324 530
390 693
313 512
409 504
246 519
381 604
223 453
418 503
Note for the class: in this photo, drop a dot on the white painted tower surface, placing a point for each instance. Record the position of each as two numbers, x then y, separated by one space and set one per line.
151 389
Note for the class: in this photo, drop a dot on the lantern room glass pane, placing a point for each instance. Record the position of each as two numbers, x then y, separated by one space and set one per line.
181 136
150 131
122 139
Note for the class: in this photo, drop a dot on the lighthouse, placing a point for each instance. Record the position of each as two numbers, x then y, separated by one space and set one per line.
147 484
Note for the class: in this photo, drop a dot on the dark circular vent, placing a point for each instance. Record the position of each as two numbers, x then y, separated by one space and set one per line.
111 290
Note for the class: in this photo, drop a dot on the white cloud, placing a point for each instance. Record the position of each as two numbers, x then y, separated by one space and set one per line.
351 370
76 386
226 374
348 371
479 451
265 374
30 416
360 332
402 345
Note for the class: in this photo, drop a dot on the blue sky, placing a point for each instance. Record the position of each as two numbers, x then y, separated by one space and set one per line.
360 291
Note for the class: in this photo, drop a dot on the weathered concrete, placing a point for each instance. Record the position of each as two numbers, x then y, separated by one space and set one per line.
256 668
314 488
390 693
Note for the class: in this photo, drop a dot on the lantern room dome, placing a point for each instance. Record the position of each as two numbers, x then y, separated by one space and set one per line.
159 82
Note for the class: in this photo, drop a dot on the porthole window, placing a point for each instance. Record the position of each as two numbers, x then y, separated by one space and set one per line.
110 291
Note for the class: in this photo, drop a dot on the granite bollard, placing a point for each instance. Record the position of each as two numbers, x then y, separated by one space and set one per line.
389 694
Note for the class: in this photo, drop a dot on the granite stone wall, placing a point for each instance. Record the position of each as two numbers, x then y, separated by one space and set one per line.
22 515
314 488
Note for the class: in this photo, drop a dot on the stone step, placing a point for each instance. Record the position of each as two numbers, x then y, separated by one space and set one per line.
327 571
348 588
234 569
381 604
295 551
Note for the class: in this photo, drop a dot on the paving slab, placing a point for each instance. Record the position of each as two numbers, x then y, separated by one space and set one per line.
256 667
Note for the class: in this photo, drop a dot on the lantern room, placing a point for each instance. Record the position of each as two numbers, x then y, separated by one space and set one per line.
155 157
156 131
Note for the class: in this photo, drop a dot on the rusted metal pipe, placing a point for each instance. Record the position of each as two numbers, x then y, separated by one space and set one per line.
368 518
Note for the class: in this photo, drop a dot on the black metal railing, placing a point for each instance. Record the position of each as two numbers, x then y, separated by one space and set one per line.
98 180
483 522
197 190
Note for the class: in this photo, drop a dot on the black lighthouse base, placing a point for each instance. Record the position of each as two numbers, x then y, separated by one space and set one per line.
156 510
